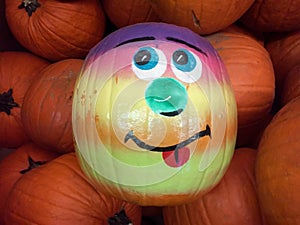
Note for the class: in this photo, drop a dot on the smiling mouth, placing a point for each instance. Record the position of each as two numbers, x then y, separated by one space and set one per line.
182 144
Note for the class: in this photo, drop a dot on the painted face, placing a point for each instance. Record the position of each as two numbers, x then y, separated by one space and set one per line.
154 118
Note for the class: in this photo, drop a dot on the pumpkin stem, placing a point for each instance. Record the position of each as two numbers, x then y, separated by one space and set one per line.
7 102
30 6
32 164
119 218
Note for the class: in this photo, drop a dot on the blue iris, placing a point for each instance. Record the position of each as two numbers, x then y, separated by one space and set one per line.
145 58
184 60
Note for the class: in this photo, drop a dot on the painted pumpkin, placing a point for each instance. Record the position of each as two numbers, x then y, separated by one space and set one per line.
277 168
47 108
18 162
232 202
154 115
18 70
55 29
58 193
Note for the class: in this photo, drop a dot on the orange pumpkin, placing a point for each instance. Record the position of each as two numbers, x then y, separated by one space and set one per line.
252 77
232 202
273 16
124 13
60 194
47 106
203 17
17 163
291 86
284 50
18 69
56 29
277 168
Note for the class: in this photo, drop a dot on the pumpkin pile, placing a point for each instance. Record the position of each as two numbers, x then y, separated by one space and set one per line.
44 47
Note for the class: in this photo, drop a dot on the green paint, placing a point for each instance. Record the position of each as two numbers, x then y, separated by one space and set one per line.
166 95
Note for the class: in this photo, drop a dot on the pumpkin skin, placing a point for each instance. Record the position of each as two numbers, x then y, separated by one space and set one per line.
18 70
277 168
70 199
284 50
47 107
57 29
291 86
203 17
232 202
147 122
17 163
252 77
124 13
272 16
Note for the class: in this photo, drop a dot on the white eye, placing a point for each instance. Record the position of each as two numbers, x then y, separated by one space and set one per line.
186 66
149 63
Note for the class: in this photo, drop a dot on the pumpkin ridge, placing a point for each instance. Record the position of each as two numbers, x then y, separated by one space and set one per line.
61 20
60 39
37 29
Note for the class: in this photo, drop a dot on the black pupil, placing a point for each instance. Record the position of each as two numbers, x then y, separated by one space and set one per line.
180 57
142 57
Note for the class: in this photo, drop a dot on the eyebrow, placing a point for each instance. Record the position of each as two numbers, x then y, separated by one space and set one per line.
187 44
148 38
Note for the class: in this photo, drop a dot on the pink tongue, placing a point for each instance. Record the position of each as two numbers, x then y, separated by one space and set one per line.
170 157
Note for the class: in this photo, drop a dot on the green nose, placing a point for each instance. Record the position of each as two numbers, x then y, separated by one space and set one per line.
166 96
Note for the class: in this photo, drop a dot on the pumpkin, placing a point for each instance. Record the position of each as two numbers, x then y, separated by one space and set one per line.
272 16
277 168
154 115
17 163
18 70
291 86
252 77
56 29
59 193
123 13
232 202
47 107
203 17
284 50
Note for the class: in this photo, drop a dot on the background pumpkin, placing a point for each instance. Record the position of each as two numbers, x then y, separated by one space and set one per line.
57 29
291 86
123 13
273 16
252 77
232 202
70 199
47 107
203 17
277 168
18 69
284 50
17 163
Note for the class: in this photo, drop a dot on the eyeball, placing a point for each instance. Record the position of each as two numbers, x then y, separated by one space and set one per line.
186 66
149 63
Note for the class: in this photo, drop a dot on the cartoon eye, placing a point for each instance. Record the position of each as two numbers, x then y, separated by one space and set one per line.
186 66
149 63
